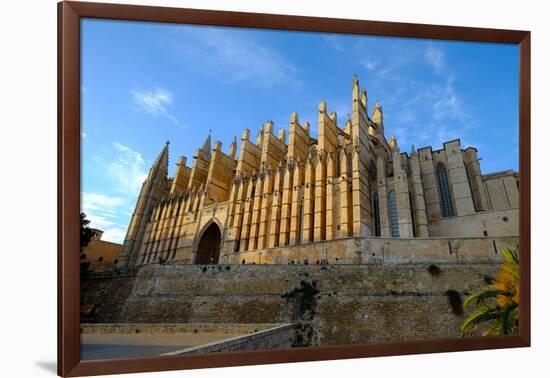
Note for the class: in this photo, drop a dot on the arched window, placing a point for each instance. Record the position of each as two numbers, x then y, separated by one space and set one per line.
376 214
394 224
444 191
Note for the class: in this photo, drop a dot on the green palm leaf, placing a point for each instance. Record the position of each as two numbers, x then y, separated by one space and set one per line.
481 296
510 319
497 304
482 314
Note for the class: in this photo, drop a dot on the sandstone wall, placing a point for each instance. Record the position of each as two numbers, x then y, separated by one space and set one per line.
101 254
380 250
486 223
102 296
278 337
334 304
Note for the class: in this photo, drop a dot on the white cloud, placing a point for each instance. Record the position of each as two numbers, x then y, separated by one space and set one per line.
111 209
96 201
435 58
155 102
448 105
104 213
128 170
370 65
237 57
115 234
435 114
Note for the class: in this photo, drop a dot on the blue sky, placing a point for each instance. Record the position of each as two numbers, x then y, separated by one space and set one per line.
145 83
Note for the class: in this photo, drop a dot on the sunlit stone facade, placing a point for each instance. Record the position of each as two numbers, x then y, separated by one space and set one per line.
273 199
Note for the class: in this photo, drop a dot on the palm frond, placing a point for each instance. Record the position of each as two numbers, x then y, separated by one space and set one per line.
498 303
511 255
494 330
481 296
509 319
482 314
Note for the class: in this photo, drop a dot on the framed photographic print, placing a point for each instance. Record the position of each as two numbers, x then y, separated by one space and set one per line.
239 188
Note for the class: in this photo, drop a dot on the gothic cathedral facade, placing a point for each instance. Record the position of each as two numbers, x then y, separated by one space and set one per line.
271 201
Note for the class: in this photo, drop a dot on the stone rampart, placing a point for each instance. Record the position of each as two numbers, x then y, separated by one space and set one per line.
378 250
334 304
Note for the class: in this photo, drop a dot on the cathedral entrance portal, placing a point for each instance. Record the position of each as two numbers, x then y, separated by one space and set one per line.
208 250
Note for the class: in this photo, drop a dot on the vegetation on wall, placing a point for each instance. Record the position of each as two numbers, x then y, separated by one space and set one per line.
86 233
303 302
497 305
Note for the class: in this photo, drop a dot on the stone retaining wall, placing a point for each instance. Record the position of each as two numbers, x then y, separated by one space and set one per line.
280 336
378 250
335 304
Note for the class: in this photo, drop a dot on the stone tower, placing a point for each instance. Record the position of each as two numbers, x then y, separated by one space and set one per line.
152 191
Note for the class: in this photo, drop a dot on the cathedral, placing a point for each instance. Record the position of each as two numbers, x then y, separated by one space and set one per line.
347 195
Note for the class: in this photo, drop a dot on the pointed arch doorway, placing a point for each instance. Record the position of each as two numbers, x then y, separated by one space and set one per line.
208 249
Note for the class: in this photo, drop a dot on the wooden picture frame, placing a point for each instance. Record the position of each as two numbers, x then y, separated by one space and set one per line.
69 16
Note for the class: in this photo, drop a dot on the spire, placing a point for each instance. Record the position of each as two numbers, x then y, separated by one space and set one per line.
393 142
305 126
161 162
233 148
377 115
269 125
282 135
323 107
347 128
355 80
206 147
355 88
334 118
294 118
413 151
260 137
364 98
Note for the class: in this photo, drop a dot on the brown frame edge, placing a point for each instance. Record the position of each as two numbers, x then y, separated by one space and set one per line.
69 14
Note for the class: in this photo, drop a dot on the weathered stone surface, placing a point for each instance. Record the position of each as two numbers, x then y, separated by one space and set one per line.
333 304
102 297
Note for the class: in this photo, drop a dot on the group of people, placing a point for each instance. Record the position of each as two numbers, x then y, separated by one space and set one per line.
305 262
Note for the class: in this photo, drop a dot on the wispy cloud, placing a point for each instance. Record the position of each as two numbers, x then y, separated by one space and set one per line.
435 58
420 109
448 105
155 102
236 57
370 65
128 170
103 212
110 208
96 201
435 114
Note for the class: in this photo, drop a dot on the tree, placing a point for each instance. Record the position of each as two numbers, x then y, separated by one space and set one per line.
86 233
497 304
